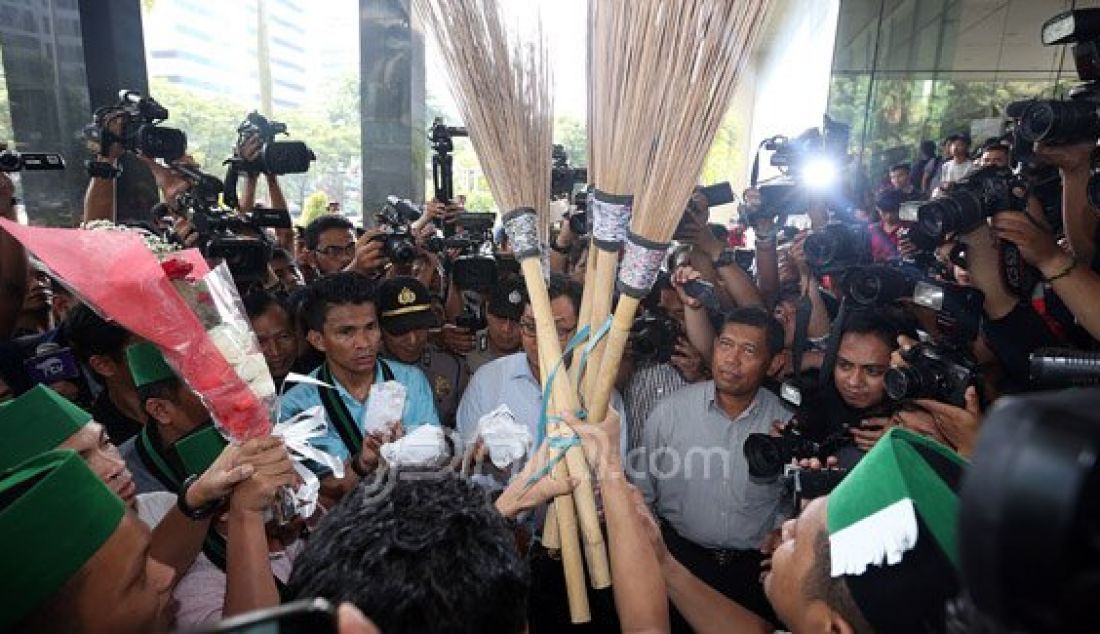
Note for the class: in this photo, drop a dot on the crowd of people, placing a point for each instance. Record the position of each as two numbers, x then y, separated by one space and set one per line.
123 507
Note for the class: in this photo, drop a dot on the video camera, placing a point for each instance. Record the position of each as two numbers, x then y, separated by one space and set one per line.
564 176
476 268
141 129
220 228
936 372
441 138
274 157
1077 118
12 161
812 167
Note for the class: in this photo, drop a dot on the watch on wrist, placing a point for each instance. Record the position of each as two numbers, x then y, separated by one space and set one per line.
199 513
728 257
100 169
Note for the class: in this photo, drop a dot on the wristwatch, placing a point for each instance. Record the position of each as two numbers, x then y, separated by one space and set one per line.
203 512
728 257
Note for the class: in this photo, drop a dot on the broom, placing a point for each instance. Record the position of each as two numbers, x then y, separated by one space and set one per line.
502 89
665 77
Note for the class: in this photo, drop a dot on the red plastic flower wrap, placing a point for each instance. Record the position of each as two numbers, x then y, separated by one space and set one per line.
117 274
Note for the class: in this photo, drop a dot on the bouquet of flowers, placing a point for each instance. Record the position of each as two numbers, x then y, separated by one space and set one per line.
116 273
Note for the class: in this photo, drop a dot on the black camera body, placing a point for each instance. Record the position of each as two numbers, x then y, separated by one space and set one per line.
398 242
837 247
564 176
653 336
12 161
767 455
141 129
275 157
934 372
441 138
1077 118
970 201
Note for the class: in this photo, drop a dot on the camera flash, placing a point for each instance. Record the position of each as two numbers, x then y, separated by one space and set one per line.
928 295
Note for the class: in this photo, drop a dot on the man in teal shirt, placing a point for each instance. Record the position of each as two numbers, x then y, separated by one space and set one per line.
341 321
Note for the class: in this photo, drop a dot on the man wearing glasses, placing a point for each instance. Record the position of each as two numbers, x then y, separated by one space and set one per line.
515 380
330 243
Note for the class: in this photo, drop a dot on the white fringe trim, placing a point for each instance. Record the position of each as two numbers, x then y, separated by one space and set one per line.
883 536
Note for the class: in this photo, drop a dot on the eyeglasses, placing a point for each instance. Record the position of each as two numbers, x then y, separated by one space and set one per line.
529 328
335 251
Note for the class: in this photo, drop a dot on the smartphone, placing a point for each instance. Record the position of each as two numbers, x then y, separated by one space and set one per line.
300 617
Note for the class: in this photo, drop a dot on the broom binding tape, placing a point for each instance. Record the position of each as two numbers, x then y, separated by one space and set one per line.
610 219
642 260
521 225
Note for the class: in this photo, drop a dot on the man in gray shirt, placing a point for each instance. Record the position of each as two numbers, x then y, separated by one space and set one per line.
693 471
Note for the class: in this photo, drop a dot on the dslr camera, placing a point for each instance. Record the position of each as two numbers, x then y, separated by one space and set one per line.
141 129
1078 117
12 161
838 246
935 372
653 336
398 243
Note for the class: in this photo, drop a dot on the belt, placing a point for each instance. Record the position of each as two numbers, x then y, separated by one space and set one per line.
722 556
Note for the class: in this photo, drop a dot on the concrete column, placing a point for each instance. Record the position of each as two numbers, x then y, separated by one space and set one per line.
392 97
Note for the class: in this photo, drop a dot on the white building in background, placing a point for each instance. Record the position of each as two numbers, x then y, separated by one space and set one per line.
210 47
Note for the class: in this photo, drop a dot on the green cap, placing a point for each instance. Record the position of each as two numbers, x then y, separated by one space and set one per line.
39 420
892 528
199 450
55 514
147 364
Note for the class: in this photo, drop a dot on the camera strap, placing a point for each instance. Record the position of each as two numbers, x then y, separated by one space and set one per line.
802 312
337 411
835 333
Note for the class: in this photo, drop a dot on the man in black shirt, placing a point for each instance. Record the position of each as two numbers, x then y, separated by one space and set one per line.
100 345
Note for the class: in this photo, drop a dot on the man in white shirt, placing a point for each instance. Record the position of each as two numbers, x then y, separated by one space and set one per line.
960 164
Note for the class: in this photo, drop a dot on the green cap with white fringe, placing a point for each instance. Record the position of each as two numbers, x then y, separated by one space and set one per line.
893 531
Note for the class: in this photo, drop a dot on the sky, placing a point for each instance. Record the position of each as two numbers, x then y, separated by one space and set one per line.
564 22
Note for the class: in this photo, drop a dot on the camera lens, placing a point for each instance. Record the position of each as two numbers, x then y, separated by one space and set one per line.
877 285
764 455
9 161
400 250
821 248
902 383
1059 121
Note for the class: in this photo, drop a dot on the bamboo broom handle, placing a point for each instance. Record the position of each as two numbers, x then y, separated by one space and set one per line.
564 523
606 264
564 397
616 344
586 306
551 534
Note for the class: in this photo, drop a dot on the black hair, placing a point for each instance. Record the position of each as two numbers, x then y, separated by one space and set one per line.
757 317
561 286
166 390
338 289
431 554
257 302
821 585
888 199
870 323
901 166
322 224
90 335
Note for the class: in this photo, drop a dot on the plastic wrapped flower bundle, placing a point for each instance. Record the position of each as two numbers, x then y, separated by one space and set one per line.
115 272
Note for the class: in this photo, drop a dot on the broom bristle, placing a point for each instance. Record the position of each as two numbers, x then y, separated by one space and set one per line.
664 74
499 74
